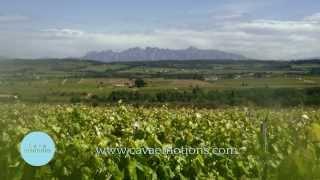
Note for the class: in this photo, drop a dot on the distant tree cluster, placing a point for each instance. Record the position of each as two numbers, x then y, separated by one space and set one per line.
258 97
140 83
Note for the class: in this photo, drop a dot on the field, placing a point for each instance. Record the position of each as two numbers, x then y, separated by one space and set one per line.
245 119
269 144
55 81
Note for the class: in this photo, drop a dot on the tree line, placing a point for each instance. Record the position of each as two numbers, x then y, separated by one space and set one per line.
257 97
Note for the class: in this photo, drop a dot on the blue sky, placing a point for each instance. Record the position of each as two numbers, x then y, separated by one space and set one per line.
274 29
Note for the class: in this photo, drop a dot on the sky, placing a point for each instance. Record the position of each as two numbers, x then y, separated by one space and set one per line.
269 29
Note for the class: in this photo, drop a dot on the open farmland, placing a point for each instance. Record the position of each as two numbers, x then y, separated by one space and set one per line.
55 81
255 120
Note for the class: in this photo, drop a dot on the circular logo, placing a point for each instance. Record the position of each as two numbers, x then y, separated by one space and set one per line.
37 148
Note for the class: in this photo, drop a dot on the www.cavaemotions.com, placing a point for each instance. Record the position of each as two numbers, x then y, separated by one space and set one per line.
165 151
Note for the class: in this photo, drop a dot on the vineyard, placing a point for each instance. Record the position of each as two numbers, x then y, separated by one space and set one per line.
271 144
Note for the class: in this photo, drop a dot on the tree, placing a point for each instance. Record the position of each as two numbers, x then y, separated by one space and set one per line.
140 83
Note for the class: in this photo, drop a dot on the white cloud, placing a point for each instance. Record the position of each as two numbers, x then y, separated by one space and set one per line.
63 33
282 26
232 16
314 17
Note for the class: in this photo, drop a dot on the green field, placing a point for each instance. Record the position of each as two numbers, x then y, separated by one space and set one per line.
269 144
55 80
262 118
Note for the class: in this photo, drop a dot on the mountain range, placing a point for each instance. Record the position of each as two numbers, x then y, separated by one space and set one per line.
154 54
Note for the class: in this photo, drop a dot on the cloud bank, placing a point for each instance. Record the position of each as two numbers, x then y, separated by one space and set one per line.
257 38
